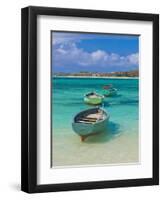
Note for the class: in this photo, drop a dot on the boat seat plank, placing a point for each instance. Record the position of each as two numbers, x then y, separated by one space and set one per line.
85 119
94 119
90 118
86 122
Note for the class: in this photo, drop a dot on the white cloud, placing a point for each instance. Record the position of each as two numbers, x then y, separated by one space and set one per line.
133 58
99 55
66 37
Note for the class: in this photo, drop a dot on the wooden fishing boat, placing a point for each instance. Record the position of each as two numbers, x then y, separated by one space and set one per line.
108 90
93 98
90 122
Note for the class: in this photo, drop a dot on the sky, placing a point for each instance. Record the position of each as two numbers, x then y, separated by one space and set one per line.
75 52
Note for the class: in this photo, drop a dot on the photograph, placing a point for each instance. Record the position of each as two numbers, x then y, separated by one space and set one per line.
94 99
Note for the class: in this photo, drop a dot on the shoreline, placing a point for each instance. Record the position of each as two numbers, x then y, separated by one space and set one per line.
97 77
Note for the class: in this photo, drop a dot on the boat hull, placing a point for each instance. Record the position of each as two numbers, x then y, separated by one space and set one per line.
109 93
86 129
89 129
93 101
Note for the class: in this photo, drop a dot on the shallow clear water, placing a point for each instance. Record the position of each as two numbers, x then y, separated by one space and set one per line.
118 144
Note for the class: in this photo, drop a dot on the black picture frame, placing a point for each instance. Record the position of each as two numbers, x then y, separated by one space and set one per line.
29 99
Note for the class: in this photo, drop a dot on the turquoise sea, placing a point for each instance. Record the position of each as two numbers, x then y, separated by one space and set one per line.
119 144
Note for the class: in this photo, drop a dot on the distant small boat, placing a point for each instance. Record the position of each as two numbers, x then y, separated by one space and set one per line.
93 98
90 122
108 90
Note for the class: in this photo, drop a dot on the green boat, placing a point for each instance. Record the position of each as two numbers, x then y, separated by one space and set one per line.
110 92
89 122
93 98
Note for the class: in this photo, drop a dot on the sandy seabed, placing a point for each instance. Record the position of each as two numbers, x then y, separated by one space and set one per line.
69 151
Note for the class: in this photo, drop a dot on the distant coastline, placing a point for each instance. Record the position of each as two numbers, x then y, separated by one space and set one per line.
112 75
98 77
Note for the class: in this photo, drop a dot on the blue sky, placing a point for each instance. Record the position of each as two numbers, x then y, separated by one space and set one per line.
74 52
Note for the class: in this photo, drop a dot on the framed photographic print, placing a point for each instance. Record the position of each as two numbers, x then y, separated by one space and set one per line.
90 99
